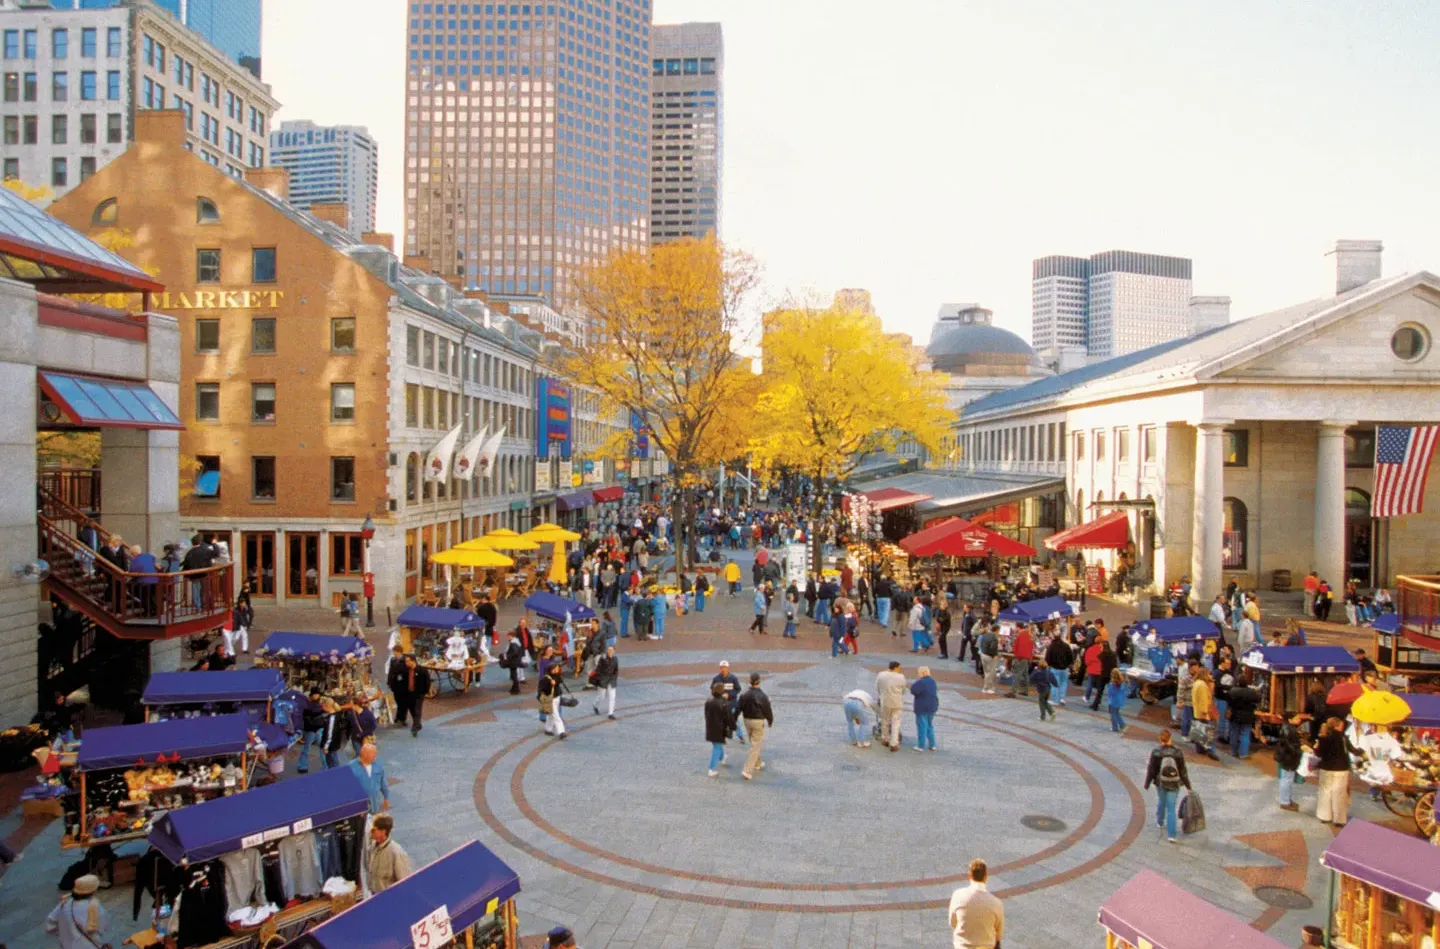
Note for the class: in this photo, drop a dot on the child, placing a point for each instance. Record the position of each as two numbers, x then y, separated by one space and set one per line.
1115 698
1040 678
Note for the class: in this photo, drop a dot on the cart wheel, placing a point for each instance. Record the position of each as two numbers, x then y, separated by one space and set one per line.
1394 803
460 681
1147 695
1425 814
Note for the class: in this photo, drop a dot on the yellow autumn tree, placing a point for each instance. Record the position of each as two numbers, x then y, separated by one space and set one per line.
662 329
836 387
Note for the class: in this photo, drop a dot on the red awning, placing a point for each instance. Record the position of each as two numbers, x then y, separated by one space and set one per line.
958 537
103 403
1111 532
883 499
608 494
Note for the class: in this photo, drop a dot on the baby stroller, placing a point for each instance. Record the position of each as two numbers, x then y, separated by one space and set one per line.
877 731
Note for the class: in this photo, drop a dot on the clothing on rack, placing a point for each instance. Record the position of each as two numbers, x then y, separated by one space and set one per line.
329 848
154 874
351 836
244 881
274 884
300 862
201 906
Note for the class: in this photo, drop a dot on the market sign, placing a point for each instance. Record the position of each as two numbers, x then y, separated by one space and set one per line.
218 300
640 433
552 418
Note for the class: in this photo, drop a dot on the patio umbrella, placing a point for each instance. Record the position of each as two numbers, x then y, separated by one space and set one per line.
558 572
505 540
478 557
549 534
1344 693
1380 708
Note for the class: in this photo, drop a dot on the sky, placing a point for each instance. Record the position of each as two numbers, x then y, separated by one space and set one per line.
929 150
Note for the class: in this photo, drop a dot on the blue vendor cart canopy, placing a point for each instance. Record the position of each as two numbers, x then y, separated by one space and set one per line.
1178 629
435 617
227 824
184 688
1304 659
470 882
1424 709
1037 611
554 607
1397 863
126 746
313 645
1386 623
1150 910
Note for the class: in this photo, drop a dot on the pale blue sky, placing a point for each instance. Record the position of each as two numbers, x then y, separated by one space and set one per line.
928 150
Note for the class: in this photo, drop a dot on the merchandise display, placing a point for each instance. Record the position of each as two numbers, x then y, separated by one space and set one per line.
330 664
1384 889
198 694
1288 672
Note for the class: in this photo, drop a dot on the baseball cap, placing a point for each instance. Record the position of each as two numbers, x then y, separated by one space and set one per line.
724 662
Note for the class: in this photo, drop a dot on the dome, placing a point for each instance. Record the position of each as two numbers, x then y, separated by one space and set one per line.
977 339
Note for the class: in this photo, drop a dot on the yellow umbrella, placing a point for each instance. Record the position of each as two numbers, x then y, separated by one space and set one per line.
482 557
545 527
1380 708
549 534
505 539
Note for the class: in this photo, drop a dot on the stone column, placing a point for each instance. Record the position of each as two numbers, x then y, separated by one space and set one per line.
19 598
1206 540
140 471
1329 551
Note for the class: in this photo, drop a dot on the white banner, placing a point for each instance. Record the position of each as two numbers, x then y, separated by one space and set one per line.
542 475
466 458
567 475
437 462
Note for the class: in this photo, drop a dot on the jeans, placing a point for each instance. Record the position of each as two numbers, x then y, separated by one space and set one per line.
625 622
789 628
822 612
717 753
1222 728
1020 685
1240 741
925 731
1117 724
658 624
306 740
837 646
855 720
1187 715
1061 679
918 640
1286 781
332 759
882 610
699 602
1165 809
1045 708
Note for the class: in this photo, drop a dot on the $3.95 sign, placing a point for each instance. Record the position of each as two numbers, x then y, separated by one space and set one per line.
433 931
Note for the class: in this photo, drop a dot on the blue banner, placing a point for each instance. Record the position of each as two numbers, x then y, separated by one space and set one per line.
552 417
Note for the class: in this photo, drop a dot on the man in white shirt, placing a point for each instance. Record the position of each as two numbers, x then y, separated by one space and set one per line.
1217 611
890 687
977 918
856 705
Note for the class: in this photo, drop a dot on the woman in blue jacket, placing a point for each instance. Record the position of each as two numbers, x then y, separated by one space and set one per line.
927 703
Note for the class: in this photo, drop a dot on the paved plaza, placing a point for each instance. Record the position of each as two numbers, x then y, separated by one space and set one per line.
619 833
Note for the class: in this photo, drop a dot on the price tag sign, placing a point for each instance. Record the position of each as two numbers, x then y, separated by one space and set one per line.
302 825
253 840
432 931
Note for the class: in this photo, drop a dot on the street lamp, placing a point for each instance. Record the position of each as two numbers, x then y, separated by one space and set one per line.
367 531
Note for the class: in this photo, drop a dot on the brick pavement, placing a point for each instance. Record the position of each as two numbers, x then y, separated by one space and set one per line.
619 833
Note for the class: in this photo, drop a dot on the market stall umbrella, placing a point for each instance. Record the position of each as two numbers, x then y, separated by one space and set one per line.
1344 693
1380 708
498 540
960 538
549 534
479 557
558 573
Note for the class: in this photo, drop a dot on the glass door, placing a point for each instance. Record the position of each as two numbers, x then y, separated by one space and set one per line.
302 565
259 562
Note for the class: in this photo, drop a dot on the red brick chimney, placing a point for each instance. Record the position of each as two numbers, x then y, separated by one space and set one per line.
274 180
386 241
333 211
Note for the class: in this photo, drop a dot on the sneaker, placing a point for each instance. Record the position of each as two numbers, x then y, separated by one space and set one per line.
916 748
724 760
762 766
746 775
864 744
612 718
563 735
597 709
712 773
1171 840
1290 807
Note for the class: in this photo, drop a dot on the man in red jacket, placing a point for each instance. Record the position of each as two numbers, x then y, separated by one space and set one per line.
1022 647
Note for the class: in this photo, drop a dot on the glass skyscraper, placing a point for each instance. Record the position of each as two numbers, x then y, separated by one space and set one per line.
231 26
527 139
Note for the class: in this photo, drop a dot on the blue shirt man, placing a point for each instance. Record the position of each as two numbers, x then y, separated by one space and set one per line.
372 778
659 605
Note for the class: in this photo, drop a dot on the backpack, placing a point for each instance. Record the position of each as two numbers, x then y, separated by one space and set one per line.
1192 814
990 645
1169 777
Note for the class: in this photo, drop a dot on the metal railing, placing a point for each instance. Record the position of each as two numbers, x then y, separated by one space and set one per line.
1418 602
77 487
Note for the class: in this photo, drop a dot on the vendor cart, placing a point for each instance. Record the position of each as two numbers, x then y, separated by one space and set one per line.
333 665
1163 643
1036 611
124 776
1285 674
464 899
193 694
1150 912
425 631
1383 889
1412 793
1404 649
556 613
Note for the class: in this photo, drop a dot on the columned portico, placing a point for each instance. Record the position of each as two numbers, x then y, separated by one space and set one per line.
1329 555
1207 536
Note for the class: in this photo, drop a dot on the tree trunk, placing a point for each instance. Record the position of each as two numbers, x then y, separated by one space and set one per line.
817 506
677 507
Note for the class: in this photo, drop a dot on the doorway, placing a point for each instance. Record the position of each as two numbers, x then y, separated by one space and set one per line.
259 562
302 565
1359 538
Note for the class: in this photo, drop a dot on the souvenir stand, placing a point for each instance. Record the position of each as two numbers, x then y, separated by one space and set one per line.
1031 613
1384 889
313 825
124 777
556 613
1150 911
332 664
1415 774
1404 651
1284 675
194 694
466 899
1163 643
447 642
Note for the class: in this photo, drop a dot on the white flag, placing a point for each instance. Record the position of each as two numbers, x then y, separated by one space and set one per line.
485 464
437 462
465 460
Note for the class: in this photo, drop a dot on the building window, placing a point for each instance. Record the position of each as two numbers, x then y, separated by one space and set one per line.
112 42
342 402
347 553
206 212
89 90
60 87
429 351
262 478
342 334
412 346
1360 448
11 169
342 479
443 364
262 335
87 129
207 479
412 405
112 85
60 43
1122 445
207 401
88 42
1235 535
207 265
207 336
1237 447
262 265
30 134
12 130
114 128
59 174
1079 446
262 402
1410 343
429 402
1099 446
1147 446
59 129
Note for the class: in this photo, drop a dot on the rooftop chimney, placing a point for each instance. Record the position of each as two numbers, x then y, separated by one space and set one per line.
1356 264
386 241
1208 313
160 127
276 181
333 212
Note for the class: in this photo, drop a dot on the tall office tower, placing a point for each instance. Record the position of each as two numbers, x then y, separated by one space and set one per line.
687 130
73 79
1112 303
526 140
231 26
330 165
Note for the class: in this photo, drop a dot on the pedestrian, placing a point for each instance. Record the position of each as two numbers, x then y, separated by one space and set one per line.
513 662
643 613
890 687
731 685
719 723
942 625
1115 700
1059 658
762 610
1022 651
1334 750
990 658
883 592
915 622
332 734
1202 698
386 862
927 702
608 633
1099 662
977 917
312 722
395 678
237 637
852 629
607 672
755 712
1225 680
627 605
415 684
837 635
360 722
372 777
702 587
551 697
732 576
349 615
79 921
857 703
1184 712
791 606
1040 678
1167 772
1244 700
1287 759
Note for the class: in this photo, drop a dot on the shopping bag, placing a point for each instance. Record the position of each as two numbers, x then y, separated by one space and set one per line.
1192 814
1308 761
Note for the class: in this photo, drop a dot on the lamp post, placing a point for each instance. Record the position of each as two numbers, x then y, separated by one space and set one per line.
367 531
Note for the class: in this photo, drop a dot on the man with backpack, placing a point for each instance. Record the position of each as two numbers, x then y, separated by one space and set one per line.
1167 772
990 658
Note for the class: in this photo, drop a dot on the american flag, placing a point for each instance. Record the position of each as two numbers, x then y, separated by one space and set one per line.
1402 465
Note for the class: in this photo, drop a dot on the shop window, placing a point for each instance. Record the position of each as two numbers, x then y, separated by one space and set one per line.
412 478
1235 535
412 346
206 212
262 265
412 405
262 402
342 334
106 213
207 265
207 401
262 335
347 555
207 478
342 402
1237 448
1360 448
342 479
207 336
262 478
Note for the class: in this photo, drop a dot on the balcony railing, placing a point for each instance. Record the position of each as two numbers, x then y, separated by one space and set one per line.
78 488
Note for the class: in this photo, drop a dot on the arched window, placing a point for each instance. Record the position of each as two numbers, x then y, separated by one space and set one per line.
107 212
1234 541
206 211
1357 504
412 478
